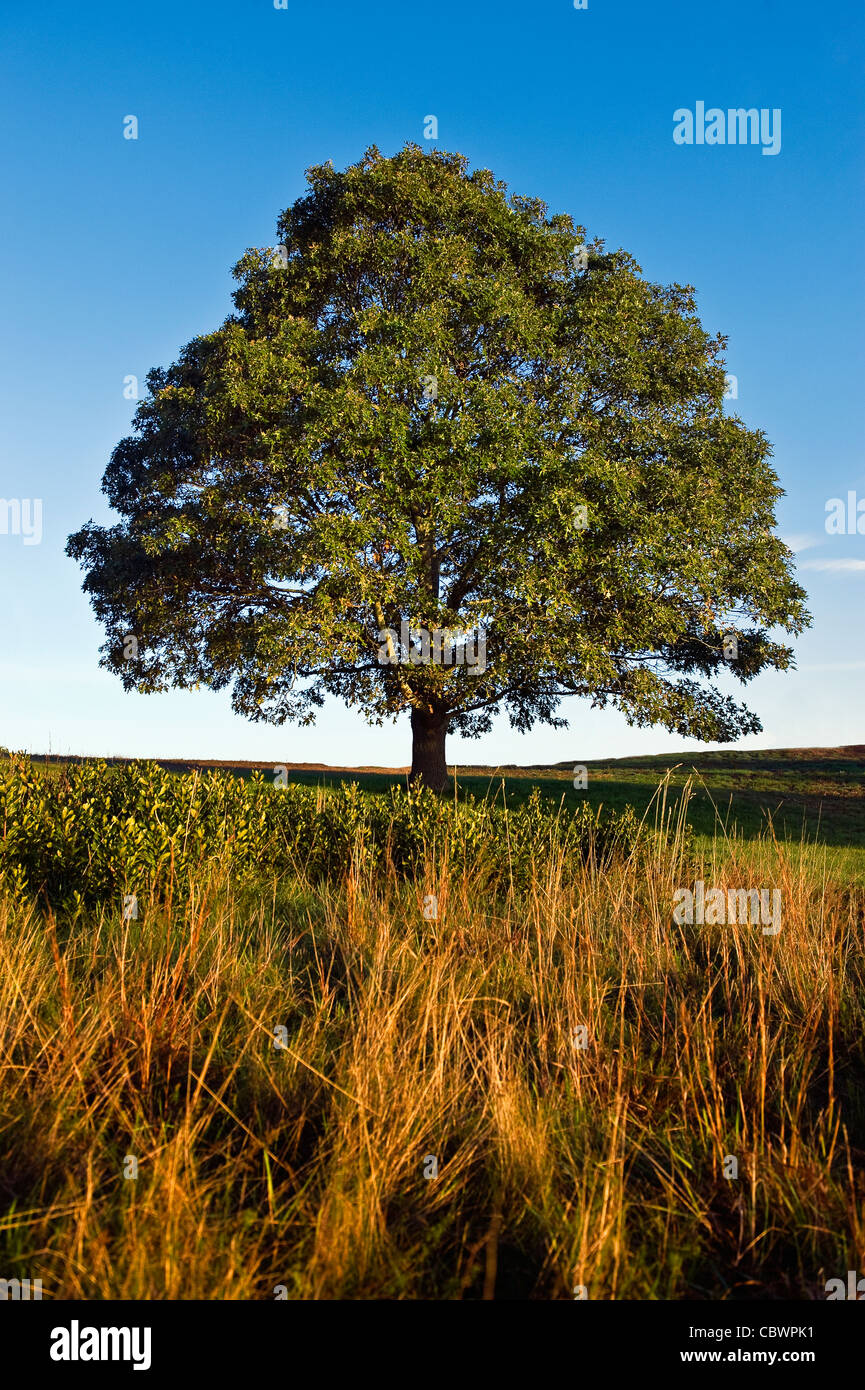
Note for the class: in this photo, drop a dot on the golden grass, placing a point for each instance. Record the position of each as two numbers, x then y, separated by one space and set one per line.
453 1039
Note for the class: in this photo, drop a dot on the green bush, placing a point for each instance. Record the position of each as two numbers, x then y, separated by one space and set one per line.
92 832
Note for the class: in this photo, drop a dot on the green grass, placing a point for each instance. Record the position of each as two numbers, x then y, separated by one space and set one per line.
810 796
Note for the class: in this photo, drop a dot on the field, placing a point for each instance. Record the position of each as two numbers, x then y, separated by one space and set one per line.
353 1044
811 794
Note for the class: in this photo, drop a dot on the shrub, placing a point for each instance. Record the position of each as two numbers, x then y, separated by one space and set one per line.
92 832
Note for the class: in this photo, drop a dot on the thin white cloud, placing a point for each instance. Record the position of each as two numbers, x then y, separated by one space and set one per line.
836 566
802 541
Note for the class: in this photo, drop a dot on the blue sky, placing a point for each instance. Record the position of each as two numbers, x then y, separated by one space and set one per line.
115 252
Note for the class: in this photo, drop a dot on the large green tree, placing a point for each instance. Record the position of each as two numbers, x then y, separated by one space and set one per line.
436 409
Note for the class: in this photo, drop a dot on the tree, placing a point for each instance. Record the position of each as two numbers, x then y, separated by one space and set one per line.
444 457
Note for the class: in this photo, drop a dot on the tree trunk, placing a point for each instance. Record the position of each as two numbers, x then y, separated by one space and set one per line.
428 764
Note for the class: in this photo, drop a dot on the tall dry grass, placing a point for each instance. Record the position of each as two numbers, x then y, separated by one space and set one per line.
406 1040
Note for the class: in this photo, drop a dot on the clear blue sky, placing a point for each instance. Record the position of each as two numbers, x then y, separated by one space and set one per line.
115 252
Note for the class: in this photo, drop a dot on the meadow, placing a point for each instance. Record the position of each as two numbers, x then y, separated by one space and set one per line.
339 1041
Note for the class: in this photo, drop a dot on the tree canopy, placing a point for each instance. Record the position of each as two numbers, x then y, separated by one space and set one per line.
437 409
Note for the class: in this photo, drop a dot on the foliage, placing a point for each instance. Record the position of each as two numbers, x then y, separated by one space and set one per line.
293 486
92 832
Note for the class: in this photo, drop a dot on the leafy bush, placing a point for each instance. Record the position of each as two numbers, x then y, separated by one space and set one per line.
92 832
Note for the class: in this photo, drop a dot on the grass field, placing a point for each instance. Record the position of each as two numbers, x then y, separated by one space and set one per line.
811 794
278 1083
